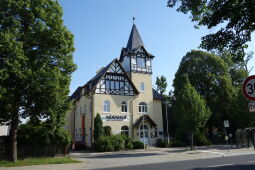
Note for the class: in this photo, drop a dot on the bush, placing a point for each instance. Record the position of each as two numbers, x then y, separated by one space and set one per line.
162 143
128 142
138 145
200 139
104 144
30 134
176 143
118 142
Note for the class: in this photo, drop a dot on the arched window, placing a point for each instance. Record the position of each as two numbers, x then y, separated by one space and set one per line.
106 106
142 87
124 130
142 107
124 107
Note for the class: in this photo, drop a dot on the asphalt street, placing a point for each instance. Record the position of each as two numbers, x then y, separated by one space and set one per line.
240 162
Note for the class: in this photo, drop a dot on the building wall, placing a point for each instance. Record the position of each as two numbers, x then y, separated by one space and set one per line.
115 110
145 96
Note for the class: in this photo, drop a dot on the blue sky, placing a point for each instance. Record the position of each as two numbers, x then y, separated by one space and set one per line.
102 27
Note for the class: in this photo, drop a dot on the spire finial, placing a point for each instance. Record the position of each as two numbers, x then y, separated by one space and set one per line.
133 17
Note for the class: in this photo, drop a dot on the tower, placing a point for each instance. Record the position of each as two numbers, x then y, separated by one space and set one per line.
137 62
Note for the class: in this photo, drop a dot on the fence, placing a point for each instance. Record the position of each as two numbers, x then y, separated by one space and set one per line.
25 151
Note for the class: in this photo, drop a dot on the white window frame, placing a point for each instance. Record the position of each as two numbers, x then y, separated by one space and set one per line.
123 105
143 106
107 106
142 87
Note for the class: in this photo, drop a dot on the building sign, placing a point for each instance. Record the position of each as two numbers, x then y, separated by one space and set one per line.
115 117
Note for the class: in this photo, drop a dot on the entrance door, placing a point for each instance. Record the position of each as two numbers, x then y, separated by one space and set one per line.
144 134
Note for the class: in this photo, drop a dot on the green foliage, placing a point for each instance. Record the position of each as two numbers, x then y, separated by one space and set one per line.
191 108
162 143
176 143
237 18
118 142
107 131
200 139
36 63
38 161
104 144
138 145
98 127
128 142
161 84
209 75
110 143
29 134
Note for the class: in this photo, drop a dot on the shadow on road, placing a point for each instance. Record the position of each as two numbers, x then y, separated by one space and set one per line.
229 167
117 155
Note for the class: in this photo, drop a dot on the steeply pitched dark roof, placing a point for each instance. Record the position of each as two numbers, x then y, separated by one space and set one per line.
134 40
146 118
156 95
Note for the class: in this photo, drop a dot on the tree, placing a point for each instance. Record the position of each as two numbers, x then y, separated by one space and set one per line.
191 108
209 75
237 18
35 64
98 127
161 84
107 131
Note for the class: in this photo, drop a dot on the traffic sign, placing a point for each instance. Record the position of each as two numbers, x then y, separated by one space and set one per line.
226 123
252 107
249 88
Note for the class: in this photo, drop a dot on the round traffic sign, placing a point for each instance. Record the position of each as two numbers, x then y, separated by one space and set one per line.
249 88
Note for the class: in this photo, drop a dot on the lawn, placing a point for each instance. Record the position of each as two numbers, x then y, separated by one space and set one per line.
38 161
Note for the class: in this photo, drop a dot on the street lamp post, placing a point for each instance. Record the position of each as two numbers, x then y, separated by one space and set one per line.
143 134
167 124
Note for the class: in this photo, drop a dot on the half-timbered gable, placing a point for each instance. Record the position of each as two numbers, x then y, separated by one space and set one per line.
115 81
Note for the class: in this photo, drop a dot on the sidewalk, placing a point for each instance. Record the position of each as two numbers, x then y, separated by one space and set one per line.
154 155
138 157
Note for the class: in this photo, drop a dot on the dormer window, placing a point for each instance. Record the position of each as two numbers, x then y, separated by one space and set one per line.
142 87
140 62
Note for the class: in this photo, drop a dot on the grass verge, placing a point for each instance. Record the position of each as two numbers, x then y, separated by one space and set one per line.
38 161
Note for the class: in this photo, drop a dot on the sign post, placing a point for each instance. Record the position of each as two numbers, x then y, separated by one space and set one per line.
249 93
249 88
226 125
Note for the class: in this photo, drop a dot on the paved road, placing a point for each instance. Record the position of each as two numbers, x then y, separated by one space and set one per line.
241 162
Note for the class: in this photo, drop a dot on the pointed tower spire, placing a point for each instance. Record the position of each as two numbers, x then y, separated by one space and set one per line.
135 39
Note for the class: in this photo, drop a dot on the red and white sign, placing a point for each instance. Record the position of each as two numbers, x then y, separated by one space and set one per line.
249 88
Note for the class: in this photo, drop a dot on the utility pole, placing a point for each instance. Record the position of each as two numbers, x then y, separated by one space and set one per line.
167 131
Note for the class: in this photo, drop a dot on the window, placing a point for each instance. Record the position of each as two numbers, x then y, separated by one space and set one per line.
140 62
142 107
124 130
106 106
80 111
124 107
142 87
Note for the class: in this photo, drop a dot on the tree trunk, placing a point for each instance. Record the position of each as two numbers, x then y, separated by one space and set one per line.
191 141
13 138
